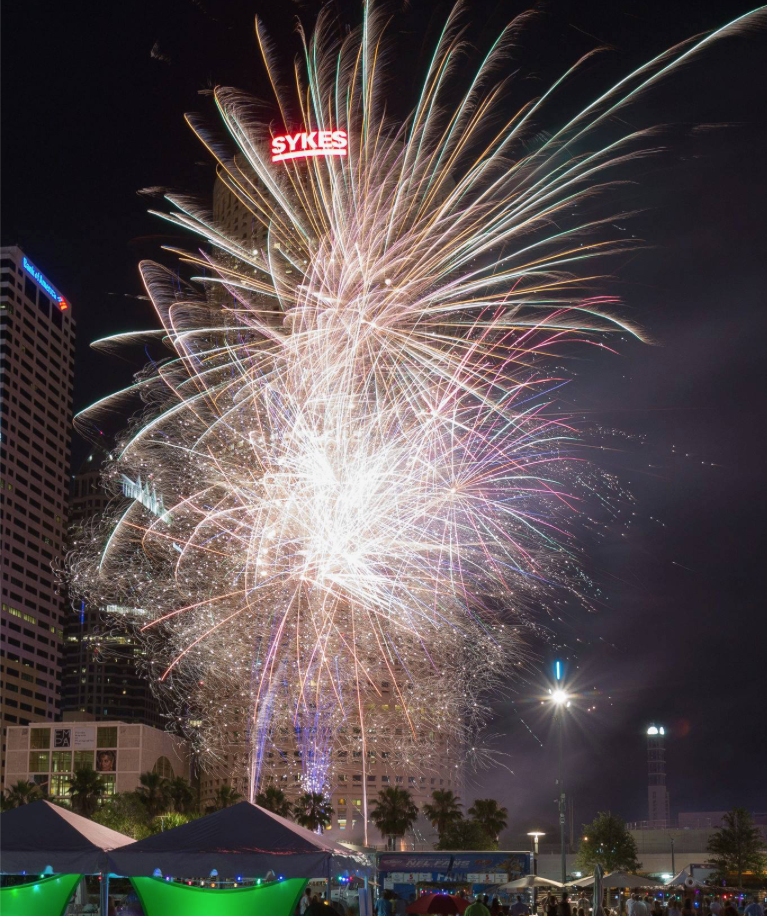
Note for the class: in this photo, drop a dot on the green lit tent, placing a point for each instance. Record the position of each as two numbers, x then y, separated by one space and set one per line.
158 898
46 897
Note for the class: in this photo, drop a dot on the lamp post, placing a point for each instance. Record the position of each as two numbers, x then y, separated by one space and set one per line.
535 834
561 701
673 861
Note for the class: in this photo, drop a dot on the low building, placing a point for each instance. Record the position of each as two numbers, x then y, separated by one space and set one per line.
48 754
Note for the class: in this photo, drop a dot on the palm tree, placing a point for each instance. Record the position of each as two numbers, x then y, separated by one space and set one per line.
153 793
274 800
313 811
22 793
225 797
180 794
488 813
85 790
394 813
445 811
168 822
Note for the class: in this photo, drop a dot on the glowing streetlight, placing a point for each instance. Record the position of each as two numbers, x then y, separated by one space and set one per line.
535 834
561 701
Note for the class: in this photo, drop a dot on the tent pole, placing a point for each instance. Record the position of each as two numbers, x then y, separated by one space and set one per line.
104 894
330 899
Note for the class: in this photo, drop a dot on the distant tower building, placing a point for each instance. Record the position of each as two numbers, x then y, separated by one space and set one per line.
657 794
100 675
36 378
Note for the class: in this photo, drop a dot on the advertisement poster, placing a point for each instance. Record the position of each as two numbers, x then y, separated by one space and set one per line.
106 761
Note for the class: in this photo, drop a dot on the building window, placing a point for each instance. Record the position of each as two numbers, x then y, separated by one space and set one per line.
61 762
109 784
341 802
107 737
60 786
342 823
39 761
163 768
83 760
39 738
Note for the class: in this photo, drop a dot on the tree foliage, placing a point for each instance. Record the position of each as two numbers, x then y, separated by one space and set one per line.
180 795
154 793
468 834
274 799
125 813
492 816
607 842
22 793
313 811
444 810
737 847
225 797
393 812
85 790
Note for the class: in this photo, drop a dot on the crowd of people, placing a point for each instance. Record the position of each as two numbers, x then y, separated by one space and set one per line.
392 904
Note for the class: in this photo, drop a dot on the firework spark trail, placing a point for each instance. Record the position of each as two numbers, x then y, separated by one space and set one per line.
354 436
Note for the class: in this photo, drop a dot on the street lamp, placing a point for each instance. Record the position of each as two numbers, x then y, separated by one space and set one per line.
561 701
535 834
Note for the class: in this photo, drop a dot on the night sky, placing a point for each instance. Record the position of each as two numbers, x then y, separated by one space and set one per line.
93 99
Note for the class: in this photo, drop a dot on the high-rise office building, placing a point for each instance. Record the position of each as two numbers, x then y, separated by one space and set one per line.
36 381
101 672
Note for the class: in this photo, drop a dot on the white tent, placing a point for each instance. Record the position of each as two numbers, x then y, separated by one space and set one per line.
528 881
617 879
686 879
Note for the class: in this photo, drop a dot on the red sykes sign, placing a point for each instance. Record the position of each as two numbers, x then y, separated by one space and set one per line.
306 144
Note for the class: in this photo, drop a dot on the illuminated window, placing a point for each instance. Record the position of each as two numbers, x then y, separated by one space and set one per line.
60 786
61 762
357 802
83 760
109 784
39 737
342 823
342 801
39 761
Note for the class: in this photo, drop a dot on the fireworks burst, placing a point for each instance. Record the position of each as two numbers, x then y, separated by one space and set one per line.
348 482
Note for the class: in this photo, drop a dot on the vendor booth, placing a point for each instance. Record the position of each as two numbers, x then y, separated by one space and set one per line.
193 868
54 847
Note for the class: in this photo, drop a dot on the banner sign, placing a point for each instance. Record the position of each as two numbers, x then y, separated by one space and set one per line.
307 144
